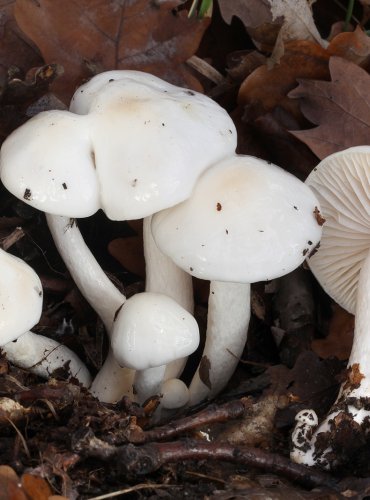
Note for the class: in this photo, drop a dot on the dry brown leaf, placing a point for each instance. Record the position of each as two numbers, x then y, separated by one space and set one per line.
88 37
338 343
129 253
36 487
340 108
10 485
257 19
267 88
252 13
15 49
353 46
298 24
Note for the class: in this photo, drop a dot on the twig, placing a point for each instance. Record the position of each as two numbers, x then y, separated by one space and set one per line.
145 459
205 69
212 414
13 237
21 437
132 489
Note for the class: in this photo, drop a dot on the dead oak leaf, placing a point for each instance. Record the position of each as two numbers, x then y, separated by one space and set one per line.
88 37
15 49
340 108
257 19
265 89
298 20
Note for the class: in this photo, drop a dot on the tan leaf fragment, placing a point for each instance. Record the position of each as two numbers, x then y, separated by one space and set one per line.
298 25
298 20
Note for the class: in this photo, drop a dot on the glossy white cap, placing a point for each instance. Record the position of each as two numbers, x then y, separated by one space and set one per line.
246 221
148 140
20 297
48 162
152 330
151 140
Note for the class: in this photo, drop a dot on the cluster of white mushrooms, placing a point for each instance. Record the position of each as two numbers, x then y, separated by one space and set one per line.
138 147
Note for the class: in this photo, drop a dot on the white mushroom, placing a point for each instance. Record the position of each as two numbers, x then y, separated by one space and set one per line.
42 356
342 266
142 150
20 297
246 221
150 331
175 394
20 310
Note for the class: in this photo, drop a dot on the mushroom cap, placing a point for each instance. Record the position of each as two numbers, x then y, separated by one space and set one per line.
151 140
246 221
20 297
152 330
341 184
148 140
175 394
83 98
48 163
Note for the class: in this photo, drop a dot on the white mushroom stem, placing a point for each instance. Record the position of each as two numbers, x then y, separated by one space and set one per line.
112 382
360 353
164 276
354 392
227 328
89 277
148 382
41 356
101 294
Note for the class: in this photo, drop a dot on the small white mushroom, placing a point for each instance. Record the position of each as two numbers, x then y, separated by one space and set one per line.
20 310
175 394
150 331
42 356
246 221
20 297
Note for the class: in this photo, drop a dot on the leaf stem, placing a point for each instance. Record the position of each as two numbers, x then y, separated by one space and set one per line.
348 15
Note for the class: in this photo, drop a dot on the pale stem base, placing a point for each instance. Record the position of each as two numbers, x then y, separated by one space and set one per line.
112 381
148 383
227 328
41 356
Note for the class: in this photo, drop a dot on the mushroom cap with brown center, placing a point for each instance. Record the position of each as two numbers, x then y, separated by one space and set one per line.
132 145
246 221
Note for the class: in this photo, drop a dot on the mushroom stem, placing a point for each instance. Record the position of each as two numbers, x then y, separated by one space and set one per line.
148 382
315 447
91 280
41 356
164 276
360 353
112 381
101 294
227 328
